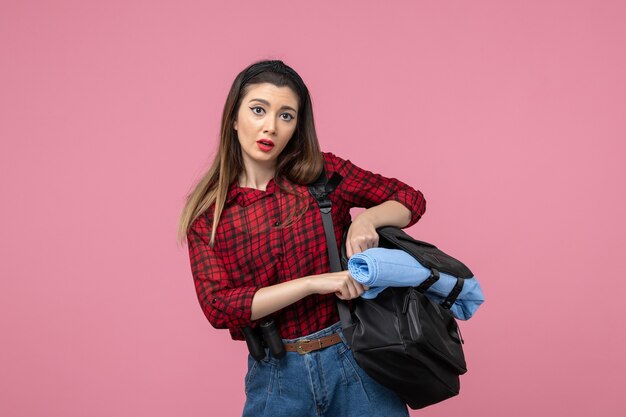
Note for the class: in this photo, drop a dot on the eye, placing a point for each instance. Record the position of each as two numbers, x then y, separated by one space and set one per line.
287 117
257 110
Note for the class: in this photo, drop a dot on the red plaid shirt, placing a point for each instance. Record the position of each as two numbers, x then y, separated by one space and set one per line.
251 251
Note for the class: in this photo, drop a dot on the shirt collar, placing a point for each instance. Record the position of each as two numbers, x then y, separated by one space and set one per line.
246 196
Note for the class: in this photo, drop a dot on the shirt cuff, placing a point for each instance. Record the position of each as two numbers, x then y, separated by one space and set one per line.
414 201
232 308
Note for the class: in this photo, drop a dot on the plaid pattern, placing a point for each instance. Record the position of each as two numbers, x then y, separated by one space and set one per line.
252 250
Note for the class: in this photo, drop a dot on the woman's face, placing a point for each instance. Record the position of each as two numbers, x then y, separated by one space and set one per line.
265 122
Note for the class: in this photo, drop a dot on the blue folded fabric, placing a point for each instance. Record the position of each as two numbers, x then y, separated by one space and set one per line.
379 268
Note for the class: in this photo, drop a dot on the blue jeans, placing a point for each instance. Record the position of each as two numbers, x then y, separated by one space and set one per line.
327 382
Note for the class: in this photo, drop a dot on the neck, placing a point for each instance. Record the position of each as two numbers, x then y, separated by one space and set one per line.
255 179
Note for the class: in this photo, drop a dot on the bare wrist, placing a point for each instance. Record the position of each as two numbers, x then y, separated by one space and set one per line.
367 216
309 285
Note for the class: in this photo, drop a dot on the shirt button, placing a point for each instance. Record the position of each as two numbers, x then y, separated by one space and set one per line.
214 300
277 223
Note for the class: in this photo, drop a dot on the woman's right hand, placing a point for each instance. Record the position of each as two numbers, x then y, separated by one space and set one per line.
341 283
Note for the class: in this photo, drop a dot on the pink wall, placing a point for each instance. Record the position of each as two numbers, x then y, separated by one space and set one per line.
509 116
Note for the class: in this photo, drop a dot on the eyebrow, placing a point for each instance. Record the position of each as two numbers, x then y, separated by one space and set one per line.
267 103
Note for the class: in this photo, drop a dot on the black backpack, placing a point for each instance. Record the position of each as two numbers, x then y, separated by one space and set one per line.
402 338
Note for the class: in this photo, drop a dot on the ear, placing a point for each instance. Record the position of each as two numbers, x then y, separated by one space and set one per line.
235 124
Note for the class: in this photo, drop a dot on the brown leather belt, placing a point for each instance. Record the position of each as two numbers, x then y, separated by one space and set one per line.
304 346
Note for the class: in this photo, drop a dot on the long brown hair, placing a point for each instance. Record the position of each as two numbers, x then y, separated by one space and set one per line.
300 162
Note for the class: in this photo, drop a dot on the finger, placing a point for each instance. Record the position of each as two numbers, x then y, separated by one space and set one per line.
362 243
353 247
371 242
360 289
343 291
349 250
350 289
343 295
347 287
354 288
356 248
340 291
355 292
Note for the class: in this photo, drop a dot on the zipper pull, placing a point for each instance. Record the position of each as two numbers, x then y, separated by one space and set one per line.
410 296
405 307
458 330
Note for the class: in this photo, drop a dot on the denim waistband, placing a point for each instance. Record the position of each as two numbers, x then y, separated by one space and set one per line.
320 333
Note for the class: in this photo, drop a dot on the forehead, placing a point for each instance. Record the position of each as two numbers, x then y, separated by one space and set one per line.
276 96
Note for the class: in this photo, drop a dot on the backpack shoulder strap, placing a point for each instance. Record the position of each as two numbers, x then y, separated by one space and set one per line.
321 190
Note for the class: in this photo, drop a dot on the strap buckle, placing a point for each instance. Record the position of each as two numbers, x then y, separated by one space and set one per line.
301 350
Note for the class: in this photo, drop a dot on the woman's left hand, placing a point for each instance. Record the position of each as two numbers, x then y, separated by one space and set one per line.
361 236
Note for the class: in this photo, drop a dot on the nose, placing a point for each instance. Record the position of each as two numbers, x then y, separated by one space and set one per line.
270 125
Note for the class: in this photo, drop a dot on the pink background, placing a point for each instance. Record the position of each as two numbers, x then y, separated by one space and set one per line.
509 116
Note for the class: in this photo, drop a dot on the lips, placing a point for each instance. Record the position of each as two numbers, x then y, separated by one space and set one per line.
265 145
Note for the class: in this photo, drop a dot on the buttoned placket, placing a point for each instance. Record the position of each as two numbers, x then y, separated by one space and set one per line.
276 232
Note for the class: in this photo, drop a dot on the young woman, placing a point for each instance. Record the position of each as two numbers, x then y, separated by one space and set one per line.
258 251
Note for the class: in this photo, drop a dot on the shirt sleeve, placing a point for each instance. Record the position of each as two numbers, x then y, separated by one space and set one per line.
362 188
223 304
